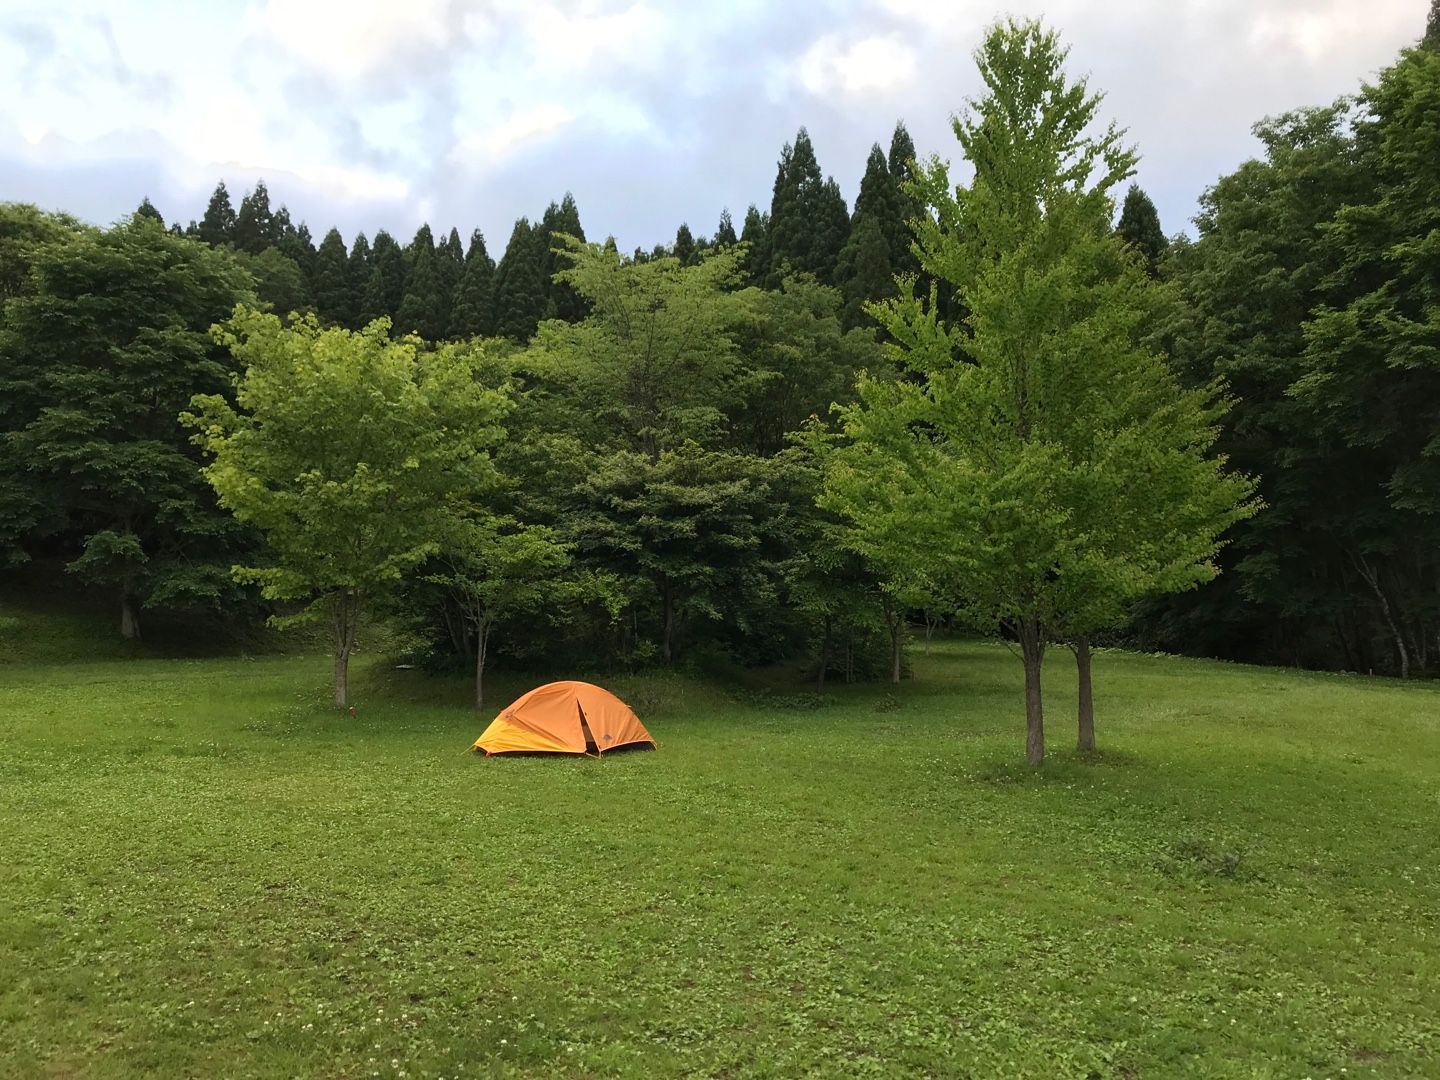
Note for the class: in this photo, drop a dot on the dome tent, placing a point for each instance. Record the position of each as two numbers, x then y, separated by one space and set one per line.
564 718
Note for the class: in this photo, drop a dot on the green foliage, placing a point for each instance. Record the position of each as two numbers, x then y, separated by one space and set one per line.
147 209
425 309
343 449
333 290
279 282
256 227
98 355
561 300
218 225
809 221
520 292
655 363
1039 465
1139 226
725 231
473 314
385 285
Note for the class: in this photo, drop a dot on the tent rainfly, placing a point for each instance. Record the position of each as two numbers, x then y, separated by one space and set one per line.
564 718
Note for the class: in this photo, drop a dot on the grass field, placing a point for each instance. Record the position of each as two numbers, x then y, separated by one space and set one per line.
207 872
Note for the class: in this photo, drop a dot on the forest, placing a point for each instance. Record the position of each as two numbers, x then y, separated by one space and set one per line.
726 449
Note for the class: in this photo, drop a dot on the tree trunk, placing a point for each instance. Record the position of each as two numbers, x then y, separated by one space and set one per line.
1087 700
897 627
482 643
1032 653
824 657
669 628
1372 578
129 620
344 615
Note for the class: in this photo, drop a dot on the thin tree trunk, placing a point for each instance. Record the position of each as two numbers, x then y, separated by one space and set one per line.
482 644
129 620
1372 578
895 621
344 612
1086 697
824 657
1032 654
669 621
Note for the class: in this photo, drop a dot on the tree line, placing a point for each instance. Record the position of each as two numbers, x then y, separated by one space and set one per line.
1050 424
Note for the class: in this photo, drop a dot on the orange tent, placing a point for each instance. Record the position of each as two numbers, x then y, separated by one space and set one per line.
564 718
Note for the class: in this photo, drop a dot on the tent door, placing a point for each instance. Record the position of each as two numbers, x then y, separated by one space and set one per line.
591 746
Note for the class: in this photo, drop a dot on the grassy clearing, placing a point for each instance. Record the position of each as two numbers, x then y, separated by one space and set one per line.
207 872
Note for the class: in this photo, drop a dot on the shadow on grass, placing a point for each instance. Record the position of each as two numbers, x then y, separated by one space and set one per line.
1060 766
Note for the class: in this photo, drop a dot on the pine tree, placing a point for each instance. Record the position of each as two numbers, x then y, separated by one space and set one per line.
359 270
330 283
902 170
1139 226
806 214
562 302
385 289
520 284
255 225
1432 27
146 209
755 233
473 313
218 225
295 242
424 310
685 246
725 231
864 270
450 262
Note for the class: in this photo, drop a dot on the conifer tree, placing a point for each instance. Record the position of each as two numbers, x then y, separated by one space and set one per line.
330 285
520 284
450 264
755 233
1432 27
218 225
295 242
685 245
473 313
864 271
725 231
359 270
255 225
146 209
423 310
385 289
562 301
1139 226
809 221
902 169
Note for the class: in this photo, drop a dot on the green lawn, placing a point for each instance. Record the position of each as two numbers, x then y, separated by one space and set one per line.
207 872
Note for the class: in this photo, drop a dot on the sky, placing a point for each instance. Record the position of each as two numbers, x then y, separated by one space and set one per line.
369 114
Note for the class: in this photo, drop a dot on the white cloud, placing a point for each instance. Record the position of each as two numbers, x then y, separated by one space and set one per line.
872 65
520 127
350 39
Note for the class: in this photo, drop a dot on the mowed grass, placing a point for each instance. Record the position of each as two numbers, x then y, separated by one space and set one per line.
208 872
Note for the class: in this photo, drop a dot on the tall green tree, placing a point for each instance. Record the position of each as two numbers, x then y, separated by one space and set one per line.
520 289
755 235
450 267
344 449
255 224
147 209
218 225
1373 358
1139 226
725 231
994 473
809 221
385 287
425 309
684 246
361 259
97 359
561 301
332 289
473 314
279 283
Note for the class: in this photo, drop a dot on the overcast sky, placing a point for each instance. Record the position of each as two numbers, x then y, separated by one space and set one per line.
383 113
